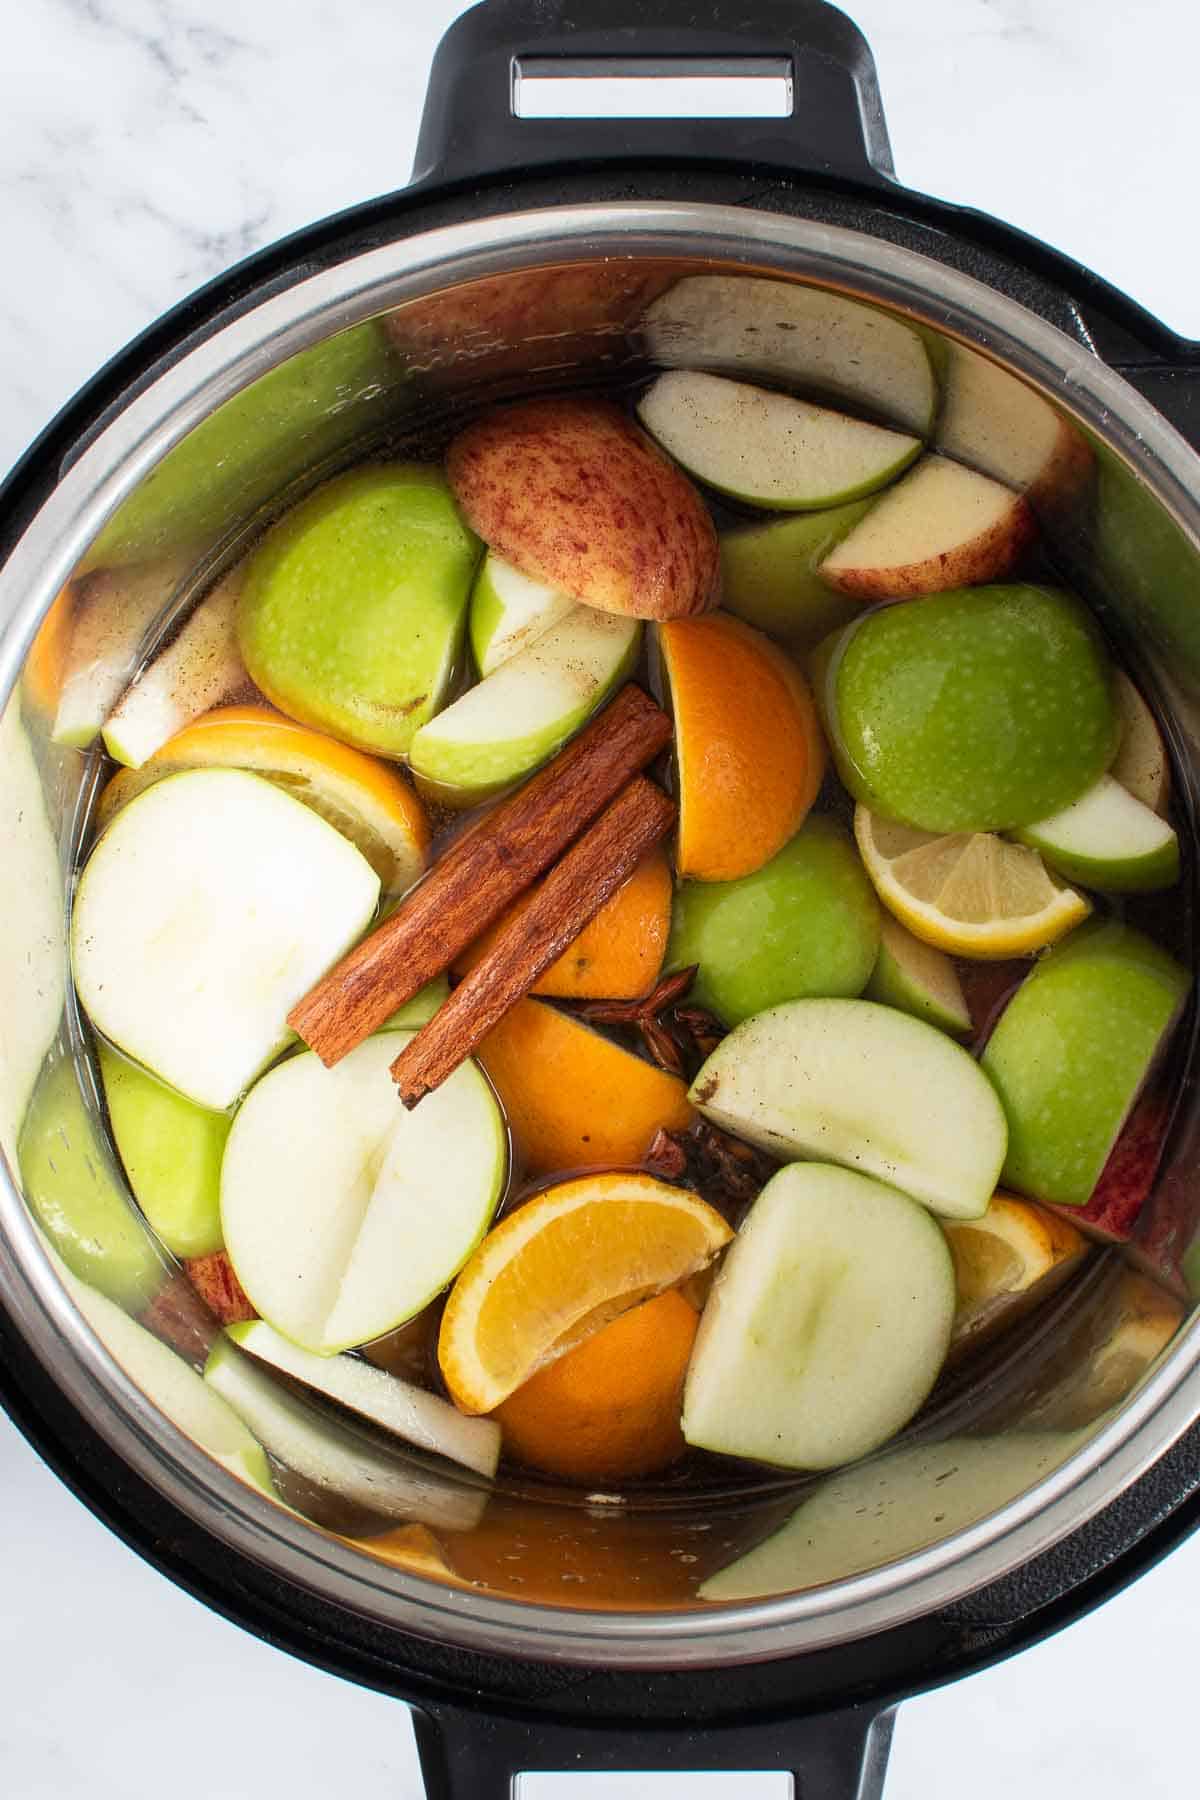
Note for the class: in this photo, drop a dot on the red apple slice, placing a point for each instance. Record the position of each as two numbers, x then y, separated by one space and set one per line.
992 421
941 526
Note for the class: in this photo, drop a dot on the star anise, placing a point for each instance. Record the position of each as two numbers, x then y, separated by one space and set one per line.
720 1168
677 1037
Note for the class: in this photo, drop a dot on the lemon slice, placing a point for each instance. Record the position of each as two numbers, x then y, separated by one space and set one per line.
971 893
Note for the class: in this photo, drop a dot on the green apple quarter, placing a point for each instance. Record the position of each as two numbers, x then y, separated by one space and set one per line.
508 611
769 575
807 923
918 979
1072 1051
171 1150
1108 840
354 605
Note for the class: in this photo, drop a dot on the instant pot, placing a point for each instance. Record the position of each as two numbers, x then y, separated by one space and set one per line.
522 256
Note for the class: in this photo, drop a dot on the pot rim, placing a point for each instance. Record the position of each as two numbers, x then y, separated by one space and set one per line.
90 490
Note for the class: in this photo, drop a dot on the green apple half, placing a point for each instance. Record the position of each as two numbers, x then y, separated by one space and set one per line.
827 1325
344 1214
1072 1051
770 449
1109 841
352 612
334 1454
171 1150
863 1085
513 720
186 948
918 979
806 923
806 337
508 611
409 1412
769 575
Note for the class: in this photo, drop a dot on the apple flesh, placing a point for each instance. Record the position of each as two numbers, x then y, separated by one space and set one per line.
201 667
769 449
185 952
993 422
171 1150
114 609
917 979
863 1085
1072 1051
334 1455
807 923
941 526
826 1327
408 1412
1109 841
1142 765
327 1193
508 611
516 718
353 606
797 336
769 575
571 493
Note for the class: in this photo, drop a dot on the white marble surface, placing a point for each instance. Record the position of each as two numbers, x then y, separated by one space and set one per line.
144 145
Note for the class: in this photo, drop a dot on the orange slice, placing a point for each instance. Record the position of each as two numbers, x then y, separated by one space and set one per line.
562 1266
368 801
609 1409
574 1099
748 745
619 955
1005 1262
46 663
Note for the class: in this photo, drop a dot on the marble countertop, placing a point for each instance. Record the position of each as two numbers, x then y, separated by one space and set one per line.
144 146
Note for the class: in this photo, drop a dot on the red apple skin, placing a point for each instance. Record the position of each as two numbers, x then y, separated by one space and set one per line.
216 1283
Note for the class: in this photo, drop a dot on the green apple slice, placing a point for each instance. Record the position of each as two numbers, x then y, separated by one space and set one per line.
186 952
114 610
171 1150
1072 1051
343 1213
827 1325
918 979
421 1008
174 1387
336 1455
412 1413
516 718
508 611
798 336
202 667
852 1082
769 575
1142 764
1109 841
770 449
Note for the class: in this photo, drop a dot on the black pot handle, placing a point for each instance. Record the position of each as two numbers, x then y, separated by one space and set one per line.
476 1755
470 130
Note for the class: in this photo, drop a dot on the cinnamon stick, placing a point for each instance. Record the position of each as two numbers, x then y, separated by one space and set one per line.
571 894
479 877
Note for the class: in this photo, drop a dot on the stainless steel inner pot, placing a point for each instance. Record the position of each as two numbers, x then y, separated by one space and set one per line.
172 482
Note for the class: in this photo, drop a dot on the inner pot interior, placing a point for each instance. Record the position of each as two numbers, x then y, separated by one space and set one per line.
1021 1400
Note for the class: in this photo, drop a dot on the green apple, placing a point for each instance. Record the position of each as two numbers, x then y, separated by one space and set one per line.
805 337
1108 840
769 449
186 952
328 1451
1142 764
1072 1051
827 1325
978 710
171 1149
344 1214
174 1387
852 1082
769 575
513 720
409 1412
806 923
918 979
353 608
421 1008
508 611
77 1196
114 609
198 669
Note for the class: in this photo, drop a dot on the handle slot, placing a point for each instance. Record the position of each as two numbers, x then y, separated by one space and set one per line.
601 87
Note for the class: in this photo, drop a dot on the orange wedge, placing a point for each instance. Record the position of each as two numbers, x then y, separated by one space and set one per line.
368 801
748 745
1007 1261
619 955
46 663
412 1548
574 1099
561 1267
